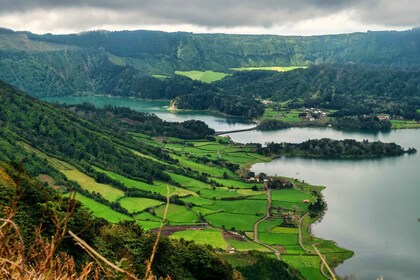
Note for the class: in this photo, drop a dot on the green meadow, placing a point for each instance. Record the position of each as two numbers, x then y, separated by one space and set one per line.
208 236
270 68
100 210
204 76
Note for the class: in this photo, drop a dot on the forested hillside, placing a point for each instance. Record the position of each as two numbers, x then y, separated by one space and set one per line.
104 156
353 89
117 62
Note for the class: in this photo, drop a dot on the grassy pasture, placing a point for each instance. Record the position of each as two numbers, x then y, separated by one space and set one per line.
307 265
405 123
207 236
290 195
203 168
108 192
291 206
138 204
229 220
268 225
148 224
177 214
249 207
159 187
203 211
246 245
269 68
290 116
236 183
100 210
197 200
278 239
146 216
204 76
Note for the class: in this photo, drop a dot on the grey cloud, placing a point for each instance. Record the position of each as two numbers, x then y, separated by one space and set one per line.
221 13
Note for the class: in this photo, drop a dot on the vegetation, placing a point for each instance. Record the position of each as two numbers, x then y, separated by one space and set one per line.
204 76
327 148
208 180
229 105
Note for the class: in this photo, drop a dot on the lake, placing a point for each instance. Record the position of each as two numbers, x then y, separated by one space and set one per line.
160 109
373 205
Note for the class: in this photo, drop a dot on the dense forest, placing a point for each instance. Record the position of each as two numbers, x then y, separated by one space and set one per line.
328 148
172 51
226 104
352 89
360 73
122 119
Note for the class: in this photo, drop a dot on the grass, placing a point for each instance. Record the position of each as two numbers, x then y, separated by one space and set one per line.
289 116
204 76
229 220
206 236
268 225
278 239
198 200
270 68
160 77
159 187
148 224
147 216
203 168
138 204
177 214
307 265
290 195
203 211
236 183
249 207
108 192
246 245
100 210
405 124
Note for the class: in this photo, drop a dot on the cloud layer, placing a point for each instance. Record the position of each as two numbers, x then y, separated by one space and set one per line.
270 15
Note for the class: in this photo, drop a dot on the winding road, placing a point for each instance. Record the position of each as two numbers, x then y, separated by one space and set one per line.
267 215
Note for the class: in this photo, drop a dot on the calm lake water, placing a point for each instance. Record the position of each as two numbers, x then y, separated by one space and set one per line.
373 205
160 109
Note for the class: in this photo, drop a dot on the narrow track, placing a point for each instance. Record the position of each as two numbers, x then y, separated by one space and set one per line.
267 215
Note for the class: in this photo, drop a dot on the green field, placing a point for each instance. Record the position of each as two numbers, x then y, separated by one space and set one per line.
138 204
108 192
270 224
204 76
290 195
404 124
100 210
249 207
158 187
247 245
177 214
278 239
307 265
229 220
237 184
212 171
270 68
207 236
289 116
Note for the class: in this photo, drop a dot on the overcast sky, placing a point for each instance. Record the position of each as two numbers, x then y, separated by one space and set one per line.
285 17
